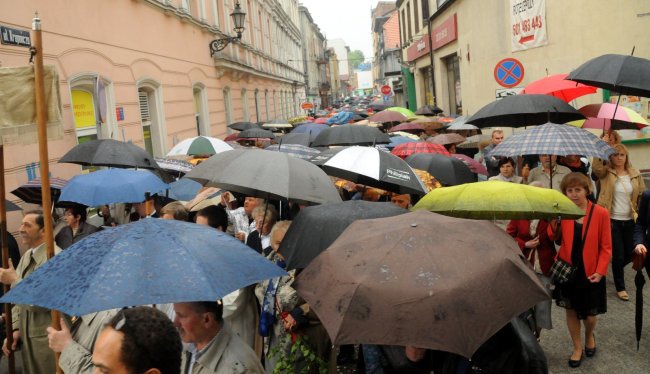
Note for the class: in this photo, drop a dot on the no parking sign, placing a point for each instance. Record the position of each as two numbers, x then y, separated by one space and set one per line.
509 72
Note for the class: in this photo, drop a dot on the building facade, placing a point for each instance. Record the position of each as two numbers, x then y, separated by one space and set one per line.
314 61
344 66
387 52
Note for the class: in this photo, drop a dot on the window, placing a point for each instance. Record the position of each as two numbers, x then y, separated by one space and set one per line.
227 107
275 104
200 110
244 104
416 17
202 15
257 106
185 4
215 13
152 118
266 104
92 107
453 85
403 33
408 21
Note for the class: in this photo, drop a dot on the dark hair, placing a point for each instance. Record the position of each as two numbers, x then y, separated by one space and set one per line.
216 215
150 340
214 307
79 210
506 160
40 219
575 179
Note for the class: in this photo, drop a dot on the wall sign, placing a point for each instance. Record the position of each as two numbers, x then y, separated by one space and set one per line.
528 24
509 72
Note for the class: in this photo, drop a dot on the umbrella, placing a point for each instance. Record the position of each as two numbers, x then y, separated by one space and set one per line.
296 138
448 170
474 166
320 121
460 124
428 110
277 124
231 138
451 138
419 279
387 116
499 200
317 227
372 167
350 135
407 126
407 149
405 134
401 110
184 189
173 166
109 152
241 126
11 207
624 118
266 174
111 186
313 129
524 110
294 150
607 124
397 140
255 134
553 139
340 118
628 75
199 146
557 86
378 105
151 261
639 282
31 192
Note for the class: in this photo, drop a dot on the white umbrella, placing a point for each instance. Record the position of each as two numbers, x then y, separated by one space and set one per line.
199 146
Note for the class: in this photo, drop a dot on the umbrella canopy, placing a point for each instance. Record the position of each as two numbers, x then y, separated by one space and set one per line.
524 110
448 170
387 116
231 138
151 261
460 123
451 138
557 86
419 279
255 134
350 135
553 139
372 167
109 152
397 140
313 129
31 192
428 110
174 166
628 75
199 146
401 110
111 186
378 105
340 118
296 138
320 121
241 126
316 228
184 189
499 200
11 207
473 165
407 149
405 134
624 118
407 126
639 282
266 174
607 124
294 150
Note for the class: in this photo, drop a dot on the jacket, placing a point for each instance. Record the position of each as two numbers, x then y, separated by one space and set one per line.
520 231
76 357
642 226
65 238
608 178
598 244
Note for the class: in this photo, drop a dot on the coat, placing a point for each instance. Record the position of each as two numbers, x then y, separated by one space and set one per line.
642 226
608 178
76 357
240 314
520 231
597 251
227 354
65 238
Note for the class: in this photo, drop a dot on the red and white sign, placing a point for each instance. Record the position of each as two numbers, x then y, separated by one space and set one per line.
445 33
527 24
386 90
418 49
307 105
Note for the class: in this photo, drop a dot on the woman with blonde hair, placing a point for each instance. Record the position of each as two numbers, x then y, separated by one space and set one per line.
621 186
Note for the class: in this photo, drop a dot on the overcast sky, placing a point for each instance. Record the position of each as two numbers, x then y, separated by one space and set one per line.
345 19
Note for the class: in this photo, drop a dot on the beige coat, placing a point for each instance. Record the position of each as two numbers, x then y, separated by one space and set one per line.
608 178
32 321
76 357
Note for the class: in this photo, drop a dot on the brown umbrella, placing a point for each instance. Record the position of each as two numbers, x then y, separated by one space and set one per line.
420 279
451 138
387 116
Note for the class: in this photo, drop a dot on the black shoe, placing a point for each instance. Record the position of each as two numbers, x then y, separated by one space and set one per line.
575 363
590 352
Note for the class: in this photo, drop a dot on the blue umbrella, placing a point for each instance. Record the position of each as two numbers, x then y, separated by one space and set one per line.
111 186
340 118
151 261
184 189
397 140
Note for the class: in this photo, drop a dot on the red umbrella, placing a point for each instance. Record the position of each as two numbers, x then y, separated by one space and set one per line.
406 149
407 126
387 116
231 137
321 120
558 86
473 165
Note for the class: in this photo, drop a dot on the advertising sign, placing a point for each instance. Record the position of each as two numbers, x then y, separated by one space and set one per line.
527 24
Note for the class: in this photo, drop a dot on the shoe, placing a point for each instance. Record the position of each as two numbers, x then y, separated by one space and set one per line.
575 363
623 295
590 352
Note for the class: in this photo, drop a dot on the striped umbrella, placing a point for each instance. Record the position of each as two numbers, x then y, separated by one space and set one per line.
30 192
554 139
173 165
601 116
407 149
200 145
294 150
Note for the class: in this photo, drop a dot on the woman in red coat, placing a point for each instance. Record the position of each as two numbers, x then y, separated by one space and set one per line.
584 296
533 240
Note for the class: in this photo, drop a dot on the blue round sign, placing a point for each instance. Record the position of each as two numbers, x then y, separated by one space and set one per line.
509 72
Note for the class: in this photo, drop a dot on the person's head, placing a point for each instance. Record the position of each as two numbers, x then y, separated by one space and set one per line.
547 161
572 159
402 201
250 203
174 211
576 186
74 215
497 136
265 217
198 322
32 228
138 340
277 233
214 216
507 167
144 208
482 144
612 137
451 148
620 158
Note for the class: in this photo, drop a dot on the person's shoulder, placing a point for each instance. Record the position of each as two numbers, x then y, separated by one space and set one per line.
241 357
562 169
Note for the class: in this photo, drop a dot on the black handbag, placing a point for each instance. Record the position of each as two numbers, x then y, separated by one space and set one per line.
562 271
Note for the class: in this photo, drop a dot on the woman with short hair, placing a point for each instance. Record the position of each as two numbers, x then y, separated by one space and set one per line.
507 171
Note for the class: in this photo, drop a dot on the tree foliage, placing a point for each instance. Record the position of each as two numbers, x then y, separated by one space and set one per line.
356 57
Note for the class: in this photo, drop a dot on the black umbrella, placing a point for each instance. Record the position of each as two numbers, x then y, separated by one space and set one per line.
255 134
350 135
449 171
241 126
627 75
639 281
315 228
11 207
109 152
31 192
379 105
428 110
296 138
524 110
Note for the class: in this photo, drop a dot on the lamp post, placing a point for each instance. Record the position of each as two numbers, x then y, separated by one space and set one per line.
238 17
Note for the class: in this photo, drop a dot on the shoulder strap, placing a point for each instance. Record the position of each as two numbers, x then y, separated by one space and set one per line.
584 235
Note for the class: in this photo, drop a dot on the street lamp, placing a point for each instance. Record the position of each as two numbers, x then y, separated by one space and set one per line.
238 17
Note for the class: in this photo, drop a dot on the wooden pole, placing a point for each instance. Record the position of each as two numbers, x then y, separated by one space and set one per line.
5 261
41 122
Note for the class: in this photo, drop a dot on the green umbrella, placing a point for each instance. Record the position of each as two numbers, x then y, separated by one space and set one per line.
404 111
499 200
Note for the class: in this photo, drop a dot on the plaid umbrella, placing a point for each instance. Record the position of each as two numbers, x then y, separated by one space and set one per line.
553 139
295 150
407 149
30 192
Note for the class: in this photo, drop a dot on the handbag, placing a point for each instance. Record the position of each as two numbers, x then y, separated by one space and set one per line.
562 271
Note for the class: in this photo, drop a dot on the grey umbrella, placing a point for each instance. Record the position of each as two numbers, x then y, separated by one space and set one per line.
266 174
109 152
628 75
350 135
